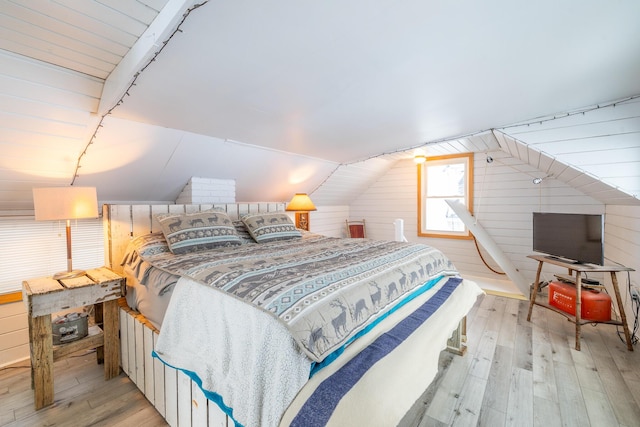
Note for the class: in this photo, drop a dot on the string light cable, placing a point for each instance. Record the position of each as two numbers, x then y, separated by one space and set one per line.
488 161
635 307
131 85
537 120
583 111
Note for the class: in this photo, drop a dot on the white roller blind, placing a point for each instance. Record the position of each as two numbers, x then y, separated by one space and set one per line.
30 248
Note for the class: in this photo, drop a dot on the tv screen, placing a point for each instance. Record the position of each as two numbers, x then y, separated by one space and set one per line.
576 237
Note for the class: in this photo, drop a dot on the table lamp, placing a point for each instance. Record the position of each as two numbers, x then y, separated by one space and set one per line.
302 204
65 203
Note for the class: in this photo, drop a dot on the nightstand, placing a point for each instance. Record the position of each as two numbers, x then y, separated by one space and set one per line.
43 296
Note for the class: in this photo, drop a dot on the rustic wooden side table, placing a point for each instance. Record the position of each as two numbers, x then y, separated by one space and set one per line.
579 269
43 296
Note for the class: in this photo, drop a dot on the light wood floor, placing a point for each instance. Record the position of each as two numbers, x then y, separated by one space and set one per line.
515 373
519 373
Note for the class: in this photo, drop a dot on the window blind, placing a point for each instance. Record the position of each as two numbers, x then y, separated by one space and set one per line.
32 248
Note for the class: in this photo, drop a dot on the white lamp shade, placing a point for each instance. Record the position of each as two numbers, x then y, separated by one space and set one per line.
61 203
301 202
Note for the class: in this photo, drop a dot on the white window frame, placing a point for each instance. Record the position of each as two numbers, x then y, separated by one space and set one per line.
466 160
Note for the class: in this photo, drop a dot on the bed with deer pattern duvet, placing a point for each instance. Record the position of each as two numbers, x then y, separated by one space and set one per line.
282 311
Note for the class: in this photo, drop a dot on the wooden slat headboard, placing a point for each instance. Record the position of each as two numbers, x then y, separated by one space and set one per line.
124 222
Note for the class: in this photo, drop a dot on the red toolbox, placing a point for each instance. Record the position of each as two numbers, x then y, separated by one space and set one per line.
596 305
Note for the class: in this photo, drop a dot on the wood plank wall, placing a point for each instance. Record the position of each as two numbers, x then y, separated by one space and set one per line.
329 220
622 245
504 199
14 333
45 110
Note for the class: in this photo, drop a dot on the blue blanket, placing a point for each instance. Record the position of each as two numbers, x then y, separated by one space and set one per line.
317 410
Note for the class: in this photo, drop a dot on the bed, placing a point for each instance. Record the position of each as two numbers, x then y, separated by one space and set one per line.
257 323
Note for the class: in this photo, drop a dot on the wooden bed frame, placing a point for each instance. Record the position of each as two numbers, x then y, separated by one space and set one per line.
174 395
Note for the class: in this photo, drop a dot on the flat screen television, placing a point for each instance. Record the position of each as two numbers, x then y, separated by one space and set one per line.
574 237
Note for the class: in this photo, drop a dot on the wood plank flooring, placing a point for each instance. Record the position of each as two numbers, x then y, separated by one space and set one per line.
519 373
81 397
515 373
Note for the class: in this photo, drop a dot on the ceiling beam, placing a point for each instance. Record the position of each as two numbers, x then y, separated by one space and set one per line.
142 52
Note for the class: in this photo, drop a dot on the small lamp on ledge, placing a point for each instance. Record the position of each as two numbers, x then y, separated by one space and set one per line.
302 205
65 203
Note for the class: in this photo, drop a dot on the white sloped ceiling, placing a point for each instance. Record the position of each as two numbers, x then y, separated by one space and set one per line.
595 150
292 96
88 36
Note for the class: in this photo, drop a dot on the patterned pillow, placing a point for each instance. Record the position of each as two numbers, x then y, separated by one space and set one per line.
150 244
198 231
267 227
242 231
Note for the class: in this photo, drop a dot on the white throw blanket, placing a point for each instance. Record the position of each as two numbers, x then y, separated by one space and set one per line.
260 375
265 366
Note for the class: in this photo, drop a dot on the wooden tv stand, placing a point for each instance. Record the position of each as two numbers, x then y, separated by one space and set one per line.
579 269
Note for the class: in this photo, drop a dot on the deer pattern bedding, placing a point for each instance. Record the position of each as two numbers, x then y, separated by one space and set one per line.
325 290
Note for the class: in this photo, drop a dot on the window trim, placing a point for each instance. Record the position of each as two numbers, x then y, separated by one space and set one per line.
466 158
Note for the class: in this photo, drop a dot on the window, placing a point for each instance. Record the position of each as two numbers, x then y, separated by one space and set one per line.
441 178
39 248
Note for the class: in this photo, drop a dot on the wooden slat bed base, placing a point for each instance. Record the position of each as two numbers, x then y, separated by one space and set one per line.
174 395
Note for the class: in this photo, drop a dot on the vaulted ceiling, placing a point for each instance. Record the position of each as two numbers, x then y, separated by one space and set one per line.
286 94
